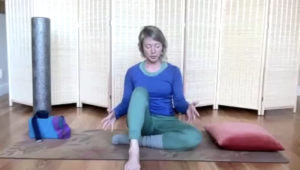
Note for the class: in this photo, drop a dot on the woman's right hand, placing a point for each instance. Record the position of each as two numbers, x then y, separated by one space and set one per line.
109 120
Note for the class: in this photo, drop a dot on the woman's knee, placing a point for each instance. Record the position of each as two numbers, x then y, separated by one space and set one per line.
140 92
193 137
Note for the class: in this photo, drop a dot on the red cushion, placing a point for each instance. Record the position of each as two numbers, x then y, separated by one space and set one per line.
242 137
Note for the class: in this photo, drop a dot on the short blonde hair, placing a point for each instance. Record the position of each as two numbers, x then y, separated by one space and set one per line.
156 34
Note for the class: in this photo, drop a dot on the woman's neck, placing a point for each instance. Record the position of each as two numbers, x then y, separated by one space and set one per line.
153 67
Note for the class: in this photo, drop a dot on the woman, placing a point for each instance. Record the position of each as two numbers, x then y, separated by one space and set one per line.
151 88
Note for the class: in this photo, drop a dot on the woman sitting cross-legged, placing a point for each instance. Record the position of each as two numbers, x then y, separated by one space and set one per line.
151 89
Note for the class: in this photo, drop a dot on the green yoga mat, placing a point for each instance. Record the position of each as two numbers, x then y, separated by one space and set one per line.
96 145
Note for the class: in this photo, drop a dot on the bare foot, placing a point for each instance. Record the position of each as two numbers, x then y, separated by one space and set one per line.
133 162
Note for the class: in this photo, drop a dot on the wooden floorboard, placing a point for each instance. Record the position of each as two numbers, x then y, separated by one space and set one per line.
14 123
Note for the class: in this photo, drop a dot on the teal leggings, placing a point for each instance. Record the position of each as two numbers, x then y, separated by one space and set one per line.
176 135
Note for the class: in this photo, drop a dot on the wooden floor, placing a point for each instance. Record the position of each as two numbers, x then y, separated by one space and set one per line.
13 123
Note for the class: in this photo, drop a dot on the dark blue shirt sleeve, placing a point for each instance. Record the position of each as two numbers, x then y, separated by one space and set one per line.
180 104
122 108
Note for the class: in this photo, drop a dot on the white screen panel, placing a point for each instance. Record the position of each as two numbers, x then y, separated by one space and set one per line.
241 53
64 47
282 64
201 59
129 17
18 20
170 19
94 51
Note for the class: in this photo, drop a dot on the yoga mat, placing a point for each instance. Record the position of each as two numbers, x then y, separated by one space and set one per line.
41 64
96 145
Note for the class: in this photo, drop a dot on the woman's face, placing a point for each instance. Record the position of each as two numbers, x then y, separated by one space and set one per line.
152 49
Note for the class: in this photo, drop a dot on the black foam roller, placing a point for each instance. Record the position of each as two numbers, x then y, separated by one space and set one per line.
41 64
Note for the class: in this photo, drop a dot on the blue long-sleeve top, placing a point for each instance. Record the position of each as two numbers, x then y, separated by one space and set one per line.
165 88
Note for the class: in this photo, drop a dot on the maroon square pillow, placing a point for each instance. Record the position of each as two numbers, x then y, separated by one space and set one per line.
242 137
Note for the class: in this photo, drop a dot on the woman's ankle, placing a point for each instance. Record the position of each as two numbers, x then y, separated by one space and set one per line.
134 145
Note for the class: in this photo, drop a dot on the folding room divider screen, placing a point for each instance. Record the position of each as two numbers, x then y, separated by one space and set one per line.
238 53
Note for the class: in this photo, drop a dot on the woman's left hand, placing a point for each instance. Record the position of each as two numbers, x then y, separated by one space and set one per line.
192 112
